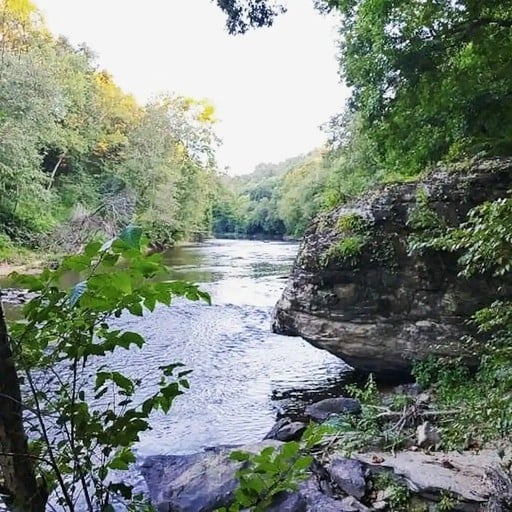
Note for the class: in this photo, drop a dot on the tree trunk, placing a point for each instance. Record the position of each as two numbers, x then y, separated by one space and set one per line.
54 172
16 466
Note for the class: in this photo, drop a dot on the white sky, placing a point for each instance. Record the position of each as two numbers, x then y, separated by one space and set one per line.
271 88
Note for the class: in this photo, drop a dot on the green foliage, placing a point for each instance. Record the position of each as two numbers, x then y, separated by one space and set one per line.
447 503
78 152
345 250
356 432
87 416
429 80
425 223
422 217
267 474
398 495
351 223
483 397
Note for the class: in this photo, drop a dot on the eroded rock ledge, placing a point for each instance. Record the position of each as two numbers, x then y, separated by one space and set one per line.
356 291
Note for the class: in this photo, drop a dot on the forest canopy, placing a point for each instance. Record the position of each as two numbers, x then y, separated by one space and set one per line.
430 81
80 157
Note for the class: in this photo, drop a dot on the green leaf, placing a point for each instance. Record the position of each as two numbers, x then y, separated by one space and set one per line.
131 235
122 460
130 338
290 449
240 456
121 281
136 309
32 283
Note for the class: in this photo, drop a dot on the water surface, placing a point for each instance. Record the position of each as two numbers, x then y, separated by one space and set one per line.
243 375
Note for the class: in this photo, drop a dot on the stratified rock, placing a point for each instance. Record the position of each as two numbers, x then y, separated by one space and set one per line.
320 411
284 430
201 482
430 476
348 475
357 291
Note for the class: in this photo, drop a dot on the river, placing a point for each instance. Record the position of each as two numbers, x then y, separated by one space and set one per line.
242 376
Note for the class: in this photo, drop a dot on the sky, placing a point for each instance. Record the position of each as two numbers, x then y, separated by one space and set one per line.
272 88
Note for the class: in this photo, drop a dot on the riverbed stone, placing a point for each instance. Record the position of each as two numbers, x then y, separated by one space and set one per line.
383 306
322 410
318 501
286 430
200 482
288 502
348 475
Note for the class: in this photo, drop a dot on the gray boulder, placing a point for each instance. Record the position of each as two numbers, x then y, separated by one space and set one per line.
284 430
348 475
200 482
317 501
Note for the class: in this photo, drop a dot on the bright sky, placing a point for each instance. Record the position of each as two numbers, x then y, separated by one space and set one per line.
271 88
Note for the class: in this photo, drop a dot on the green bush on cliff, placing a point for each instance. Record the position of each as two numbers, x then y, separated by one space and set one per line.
351 223
345 251
483 398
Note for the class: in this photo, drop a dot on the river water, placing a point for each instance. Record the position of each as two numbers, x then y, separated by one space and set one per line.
242 376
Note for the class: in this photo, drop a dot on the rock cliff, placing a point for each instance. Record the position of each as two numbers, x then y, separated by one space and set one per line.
358 291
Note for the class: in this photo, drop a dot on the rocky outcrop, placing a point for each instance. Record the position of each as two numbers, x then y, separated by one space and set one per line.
204 482
357 291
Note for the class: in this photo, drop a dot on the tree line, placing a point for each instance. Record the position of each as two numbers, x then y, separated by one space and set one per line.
430 82
80 155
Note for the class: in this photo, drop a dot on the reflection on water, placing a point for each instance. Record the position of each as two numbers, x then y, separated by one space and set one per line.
243 375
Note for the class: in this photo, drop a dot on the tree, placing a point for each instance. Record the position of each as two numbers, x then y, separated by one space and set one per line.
429 79
83 425
243 15
19 479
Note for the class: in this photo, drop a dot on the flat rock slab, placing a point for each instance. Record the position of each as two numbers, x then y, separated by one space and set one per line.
431 474
200 482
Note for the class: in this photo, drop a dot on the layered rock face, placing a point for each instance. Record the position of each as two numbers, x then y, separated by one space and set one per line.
358 291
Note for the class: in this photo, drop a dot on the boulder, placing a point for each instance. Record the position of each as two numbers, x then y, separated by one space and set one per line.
200 482
320 411
288 502
348 475
357 291
284 430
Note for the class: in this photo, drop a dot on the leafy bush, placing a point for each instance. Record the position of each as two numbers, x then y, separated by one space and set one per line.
86 417
267 474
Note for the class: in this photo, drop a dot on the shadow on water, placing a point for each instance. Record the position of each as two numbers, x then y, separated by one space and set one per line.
243 375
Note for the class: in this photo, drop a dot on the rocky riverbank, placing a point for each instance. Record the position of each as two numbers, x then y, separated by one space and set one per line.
358 291
417 478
